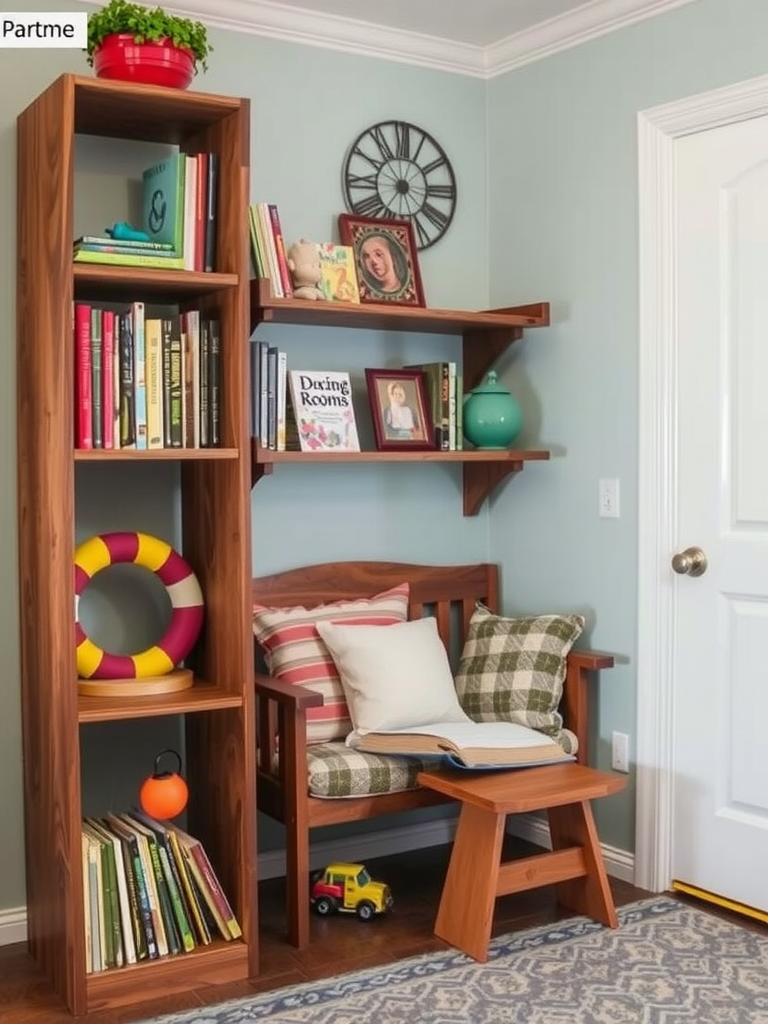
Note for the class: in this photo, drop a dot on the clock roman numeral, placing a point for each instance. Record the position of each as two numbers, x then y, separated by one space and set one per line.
403 136
421 233
378 164
441 191
366 182
378 136
435 216
433 165
368 207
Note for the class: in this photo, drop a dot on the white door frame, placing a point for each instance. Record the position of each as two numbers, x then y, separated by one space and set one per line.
658 130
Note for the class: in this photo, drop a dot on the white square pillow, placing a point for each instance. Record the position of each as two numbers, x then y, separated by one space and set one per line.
393 676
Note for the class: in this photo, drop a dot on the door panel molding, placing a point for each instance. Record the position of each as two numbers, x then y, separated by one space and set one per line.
658 129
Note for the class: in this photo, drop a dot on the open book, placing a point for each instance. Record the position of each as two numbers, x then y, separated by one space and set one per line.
468 744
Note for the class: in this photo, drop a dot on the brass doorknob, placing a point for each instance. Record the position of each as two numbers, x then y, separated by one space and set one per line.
691 562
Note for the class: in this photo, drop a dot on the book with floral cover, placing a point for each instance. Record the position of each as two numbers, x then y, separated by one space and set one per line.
339 276
321 402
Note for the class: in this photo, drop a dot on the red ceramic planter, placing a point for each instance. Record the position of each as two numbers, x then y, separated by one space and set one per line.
150 63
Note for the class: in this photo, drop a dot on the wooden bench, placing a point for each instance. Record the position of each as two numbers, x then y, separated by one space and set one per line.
449 592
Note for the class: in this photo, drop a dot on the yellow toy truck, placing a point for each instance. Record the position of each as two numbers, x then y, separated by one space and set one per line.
348 889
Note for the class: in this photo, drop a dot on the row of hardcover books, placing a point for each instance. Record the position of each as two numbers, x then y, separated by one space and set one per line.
270 256
268 248
149 890
299 410
179 209
146 382
310 410
444 393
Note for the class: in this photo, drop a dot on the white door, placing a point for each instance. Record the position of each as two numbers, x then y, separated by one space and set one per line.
720 663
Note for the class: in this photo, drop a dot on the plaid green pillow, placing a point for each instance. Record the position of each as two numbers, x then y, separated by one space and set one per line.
513 670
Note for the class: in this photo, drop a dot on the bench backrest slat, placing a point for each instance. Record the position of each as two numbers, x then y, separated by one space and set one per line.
449 592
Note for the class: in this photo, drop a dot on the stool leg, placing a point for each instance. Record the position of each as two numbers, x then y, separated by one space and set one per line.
465 914
574 825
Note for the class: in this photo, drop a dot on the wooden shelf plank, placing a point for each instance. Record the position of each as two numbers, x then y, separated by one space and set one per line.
203 696
217 964
155 455
484 470
150 113
369 316
263 456
102 281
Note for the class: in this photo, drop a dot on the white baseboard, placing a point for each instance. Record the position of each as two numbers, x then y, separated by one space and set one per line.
13 926
618 863
366 845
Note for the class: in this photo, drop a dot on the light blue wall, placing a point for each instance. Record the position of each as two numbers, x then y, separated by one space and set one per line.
550 150
307 107
563 191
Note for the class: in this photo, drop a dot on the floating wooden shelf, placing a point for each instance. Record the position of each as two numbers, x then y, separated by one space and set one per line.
485 336
483 470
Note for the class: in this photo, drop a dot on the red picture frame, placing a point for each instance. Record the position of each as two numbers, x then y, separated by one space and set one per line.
401 416
386 259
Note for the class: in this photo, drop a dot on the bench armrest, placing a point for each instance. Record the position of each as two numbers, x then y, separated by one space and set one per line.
281 722
289 694
579 666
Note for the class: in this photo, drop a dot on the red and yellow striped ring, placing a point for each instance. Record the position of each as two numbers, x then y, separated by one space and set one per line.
183 589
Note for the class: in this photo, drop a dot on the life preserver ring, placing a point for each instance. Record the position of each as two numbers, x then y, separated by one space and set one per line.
181 585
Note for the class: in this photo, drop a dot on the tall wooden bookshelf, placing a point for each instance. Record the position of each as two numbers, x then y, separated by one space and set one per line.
217 712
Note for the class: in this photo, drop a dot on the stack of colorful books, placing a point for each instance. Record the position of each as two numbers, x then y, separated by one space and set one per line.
100 249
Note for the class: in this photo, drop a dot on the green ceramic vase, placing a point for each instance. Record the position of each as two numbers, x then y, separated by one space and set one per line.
492 416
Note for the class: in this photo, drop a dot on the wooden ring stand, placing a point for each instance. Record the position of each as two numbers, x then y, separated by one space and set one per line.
147 686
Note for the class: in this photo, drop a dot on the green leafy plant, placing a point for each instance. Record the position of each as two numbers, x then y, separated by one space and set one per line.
147 25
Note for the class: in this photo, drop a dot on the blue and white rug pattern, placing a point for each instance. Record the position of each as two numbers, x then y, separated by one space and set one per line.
668 963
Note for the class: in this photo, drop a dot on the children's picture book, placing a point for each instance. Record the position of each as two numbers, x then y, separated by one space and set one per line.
469 744
339 276
162 207
321 402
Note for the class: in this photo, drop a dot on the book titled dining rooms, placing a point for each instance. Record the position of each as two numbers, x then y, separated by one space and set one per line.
322 405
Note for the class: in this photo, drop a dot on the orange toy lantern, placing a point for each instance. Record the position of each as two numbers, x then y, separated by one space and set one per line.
164 794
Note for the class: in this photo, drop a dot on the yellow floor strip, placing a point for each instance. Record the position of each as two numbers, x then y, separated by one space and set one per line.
721 901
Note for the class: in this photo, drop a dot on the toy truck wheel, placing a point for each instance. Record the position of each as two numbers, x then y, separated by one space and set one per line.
324 906
365 910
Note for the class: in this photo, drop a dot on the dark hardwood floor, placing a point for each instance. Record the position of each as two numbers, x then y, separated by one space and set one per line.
340 944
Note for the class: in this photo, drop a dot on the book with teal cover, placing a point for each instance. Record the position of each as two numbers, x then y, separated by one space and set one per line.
162 206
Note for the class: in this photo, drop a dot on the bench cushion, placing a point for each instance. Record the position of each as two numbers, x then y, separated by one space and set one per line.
337 771
513 669
294 652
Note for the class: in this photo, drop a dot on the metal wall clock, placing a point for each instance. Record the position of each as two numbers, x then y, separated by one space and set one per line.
397 170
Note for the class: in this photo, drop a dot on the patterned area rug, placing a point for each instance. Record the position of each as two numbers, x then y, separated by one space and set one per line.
668 962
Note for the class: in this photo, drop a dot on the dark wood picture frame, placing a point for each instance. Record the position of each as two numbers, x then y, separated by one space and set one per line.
386 259
401 416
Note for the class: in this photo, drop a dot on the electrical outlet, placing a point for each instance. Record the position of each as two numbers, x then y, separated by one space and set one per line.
608 498
620 752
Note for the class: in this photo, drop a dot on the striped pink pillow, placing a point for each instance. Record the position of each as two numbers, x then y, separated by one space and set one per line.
295 653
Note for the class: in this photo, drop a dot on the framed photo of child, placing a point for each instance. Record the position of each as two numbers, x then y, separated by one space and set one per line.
386 259
401 419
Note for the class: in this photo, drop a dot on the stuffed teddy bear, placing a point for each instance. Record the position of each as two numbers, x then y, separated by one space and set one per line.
304 265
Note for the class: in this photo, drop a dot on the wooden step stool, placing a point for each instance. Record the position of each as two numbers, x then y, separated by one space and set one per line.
476 875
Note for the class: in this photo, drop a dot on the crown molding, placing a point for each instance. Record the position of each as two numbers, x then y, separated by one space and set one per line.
349 35
594 19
